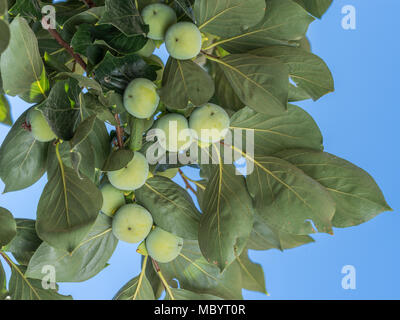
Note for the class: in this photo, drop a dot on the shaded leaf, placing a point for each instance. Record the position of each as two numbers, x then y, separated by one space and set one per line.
263 237
228 18
184 81
171 206
22 158
284 20
252 274
8 227
4 35
357 196
83 263
287 199
117 160
260 82
227 219
22 57
115 73
83 131
67 209
124 15
23 288
195 274
316 7
25 243
61 108
182 294
309 72
3 283
290 129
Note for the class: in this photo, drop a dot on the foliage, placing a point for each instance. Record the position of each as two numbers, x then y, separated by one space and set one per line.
253 62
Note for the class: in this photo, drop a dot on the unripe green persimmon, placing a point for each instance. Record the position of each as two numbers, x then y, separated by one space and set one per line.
132 176
40 128
148 49
183 41
176 132
210 122
163 246
159 17
141 98
132 223
113 199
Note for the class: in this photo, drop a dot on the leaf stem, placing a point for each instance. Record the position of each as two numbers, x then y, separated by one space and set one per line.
165 283
119 131
141 277
186 179
67 47
6 259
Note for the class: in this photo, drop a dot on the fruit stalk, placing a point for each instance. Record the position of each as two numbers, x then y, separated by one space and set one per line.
165 283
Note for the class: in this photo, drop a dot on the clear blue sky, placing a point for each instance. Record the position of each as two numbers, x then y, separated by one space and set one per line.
359 122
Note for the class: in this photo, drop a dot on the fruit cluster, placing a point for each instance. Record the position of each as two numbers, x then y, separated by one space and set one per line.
133 223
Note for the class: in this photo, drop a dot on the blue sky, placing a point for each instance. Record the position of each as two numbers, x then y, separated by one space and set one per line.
359 122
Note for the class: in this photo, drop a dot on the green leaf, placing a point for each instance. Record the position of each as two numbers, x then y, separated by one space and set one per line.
72 25
83 151
29 9
316 7
284 20
292 129
83 263
186 7
227 219
263 237
357 196
96 105
23 288
287 199
22 158
25 243
67 209
185 81
228 18
3 7
260 83
83 131
252 274
202 277
8 227
114 39
182 294
3 283
61 108
118 160
100 141
22 57
83 82
136 129
4 35
171 206
227 98
115 73
309 72
5 112
124 15
136 289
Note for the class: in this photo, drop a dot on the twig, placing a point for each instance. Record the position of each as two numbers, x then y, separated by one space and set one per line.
67 47
89 3
119 132
187 184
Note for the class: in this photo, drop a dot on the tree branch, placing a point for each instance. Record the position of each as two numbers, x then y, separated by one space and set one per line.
67 47
89 3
